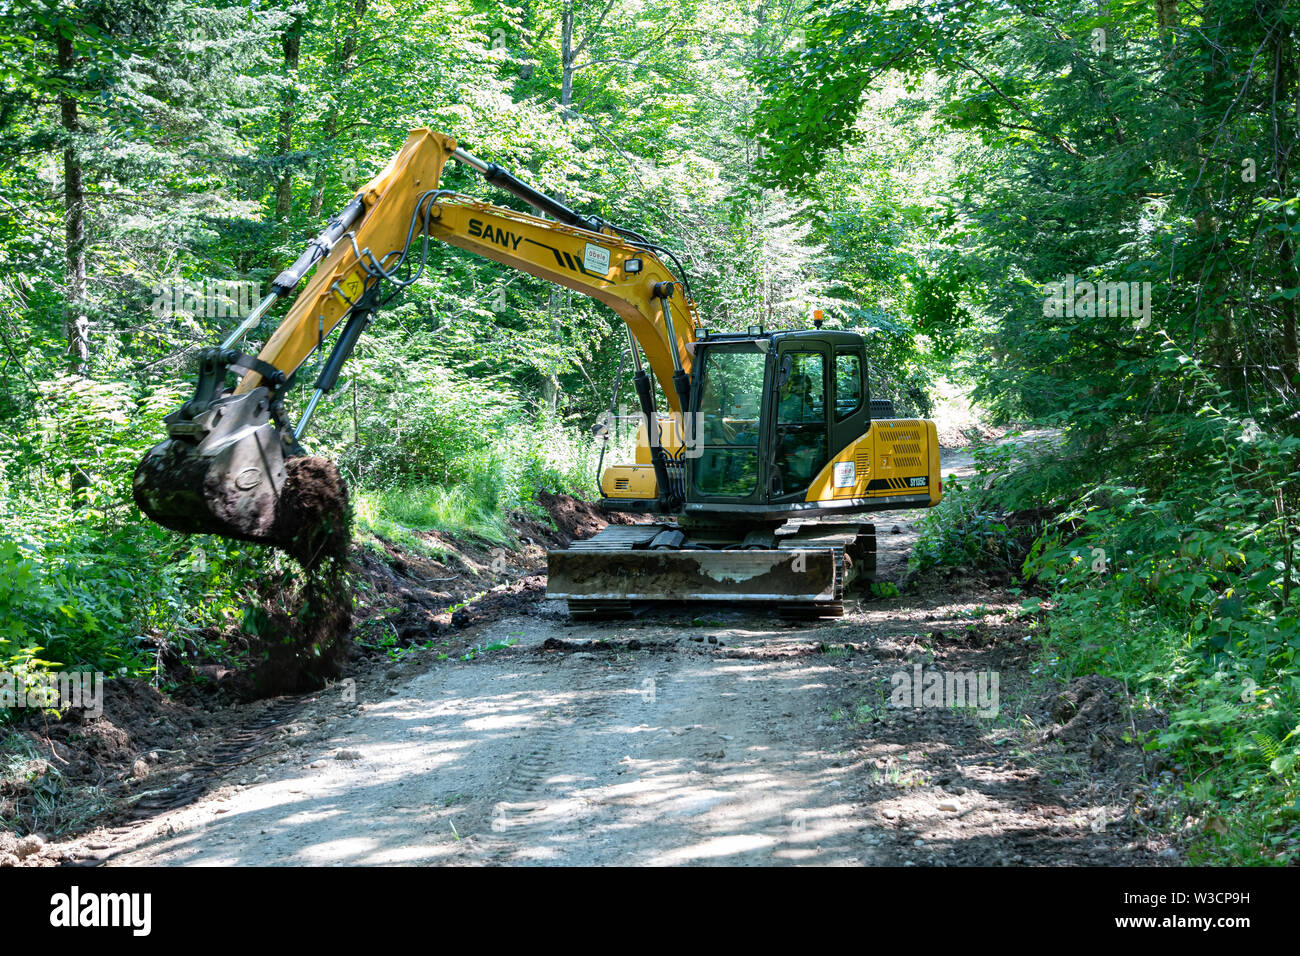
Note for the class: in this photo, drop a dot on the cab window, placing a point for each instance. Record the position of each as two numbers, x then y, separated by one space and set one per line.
848 384
731 393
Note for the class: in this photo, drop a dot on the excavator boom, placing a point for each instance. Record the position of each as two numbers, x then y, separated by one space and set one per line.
231 461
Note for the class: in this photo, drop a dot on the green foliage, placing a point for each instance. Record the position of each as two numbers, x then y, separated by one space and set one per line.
1170 561
213 138
522 460
971 526
921 173
84 581
961 531
1183 595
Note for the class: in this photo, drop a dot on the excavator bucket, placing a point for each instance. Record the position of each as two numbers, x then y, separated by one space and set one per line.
225 472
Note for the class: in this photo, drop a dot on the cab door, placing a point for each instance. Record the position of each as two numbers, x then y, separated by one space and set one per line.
728 394
801 415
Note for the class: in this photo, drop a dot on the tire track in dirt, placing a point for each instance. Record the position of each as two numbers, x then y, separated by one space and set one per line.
535 805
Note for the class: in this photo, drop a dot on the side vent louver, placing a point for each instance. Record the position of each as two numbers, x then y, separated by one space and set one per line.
905 446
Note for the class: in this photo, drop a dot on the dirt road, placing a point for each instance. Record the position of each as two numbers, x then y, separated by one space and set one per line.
692 735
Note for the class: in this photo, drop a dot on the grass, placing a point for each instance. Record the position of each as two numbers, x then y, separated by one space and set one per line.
898 775
867 711
487 488
40 799
399 514
833 650
487 647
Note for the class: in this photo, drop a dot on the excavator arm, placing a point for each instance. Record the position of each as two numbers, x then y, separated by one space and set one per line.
404 201
228 463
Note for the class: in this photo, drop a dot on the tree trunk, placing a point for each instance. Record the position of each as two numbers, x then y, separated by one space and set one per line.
568 58
555 307
551 392
527 40
570 50
1282 146
284 144
318 181
76 322
1167 15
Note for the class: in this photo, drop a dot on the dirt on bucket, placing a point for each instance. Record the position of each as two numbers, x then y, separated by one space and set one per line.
313 517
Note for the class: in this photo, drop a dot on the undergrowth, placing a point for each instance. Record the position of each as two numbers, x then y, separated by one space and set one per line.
1178 580
87 582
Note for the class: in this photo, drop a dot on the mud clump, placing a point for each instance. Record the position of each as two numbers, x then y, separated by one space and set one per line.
1087 714
513 598
301 633
313 518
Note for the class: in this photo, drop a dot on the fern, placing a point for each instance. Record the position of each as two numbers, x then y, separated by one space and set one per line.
1270 745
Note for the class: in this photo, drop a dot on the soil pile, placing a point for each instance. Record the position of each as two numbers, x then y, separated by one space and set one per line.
576 519
62 770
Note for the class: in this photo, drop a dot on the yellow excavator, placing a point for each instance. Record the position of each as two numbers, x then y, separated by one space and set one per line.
756 471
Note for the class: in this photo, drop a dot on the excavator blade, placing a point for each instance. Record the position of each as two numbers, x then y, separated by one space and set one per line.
224 472
784 576
803 568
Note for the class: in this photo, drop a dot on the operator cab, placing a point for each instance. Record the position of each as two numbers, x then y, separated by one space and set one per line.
772 410
783 423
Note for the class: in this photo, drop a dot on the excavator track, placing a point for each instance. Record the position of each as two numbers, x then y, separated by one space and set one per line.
803 569
600 610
